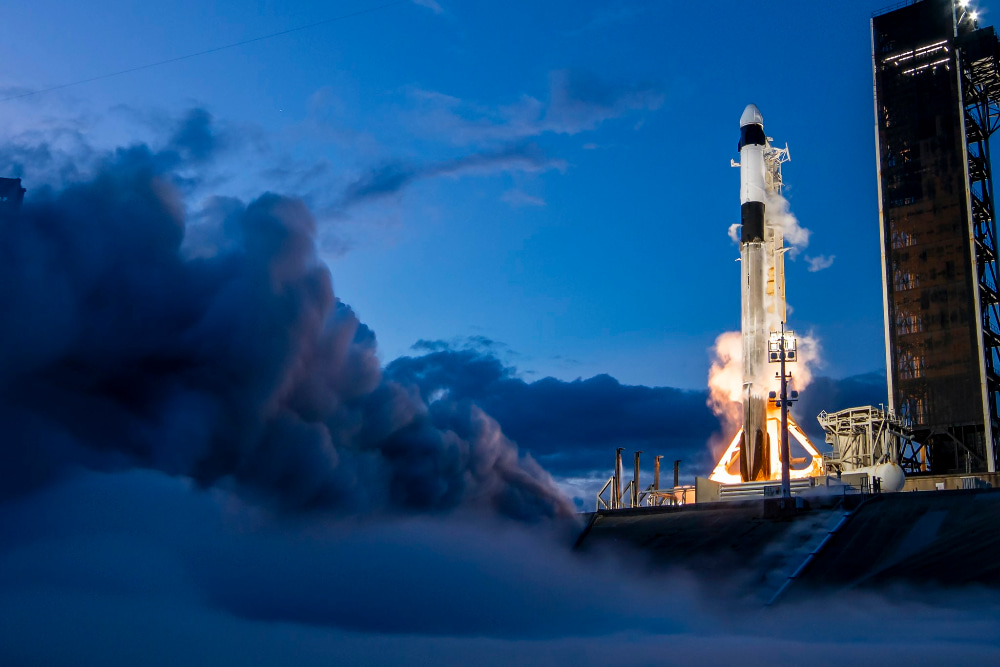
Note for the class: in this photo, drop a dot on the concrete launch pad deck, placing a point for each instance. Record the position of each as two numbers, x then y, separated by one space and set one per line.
945 537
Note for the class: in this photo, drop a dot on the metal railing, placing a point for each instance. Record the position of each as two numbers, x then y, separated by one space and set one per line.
892 8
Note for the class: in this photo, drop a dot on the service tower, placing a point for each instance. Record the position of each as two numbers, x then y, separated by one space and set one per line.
937 90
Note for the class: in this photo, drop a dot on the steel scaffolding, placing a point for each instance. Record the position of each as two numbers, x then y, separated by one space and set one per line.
979 74
867 436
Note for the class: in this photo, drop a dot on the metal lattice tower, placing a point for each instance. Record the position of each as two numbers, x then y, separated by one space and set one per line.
979 73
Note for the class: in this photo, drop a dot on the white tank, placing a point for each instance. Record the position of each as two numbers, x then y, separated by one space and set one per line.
892 476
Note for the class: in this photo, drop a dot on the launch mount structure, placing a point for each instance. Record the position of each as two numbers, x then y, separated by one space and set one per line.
867 436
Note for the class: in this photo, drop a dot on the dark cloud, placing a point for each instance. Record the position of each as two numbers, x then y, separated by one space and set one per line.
389 179
55 156
423 345
481 342
474 342
195 138
235 366
43 157
571 427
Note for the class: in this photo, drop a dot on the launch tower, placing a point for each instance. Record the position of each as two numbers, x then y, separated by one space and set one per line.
937 91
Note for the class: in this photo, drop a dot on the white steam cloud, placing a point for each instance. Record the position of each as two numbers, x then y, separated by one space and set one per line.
796 236
778 213
819 262
734 232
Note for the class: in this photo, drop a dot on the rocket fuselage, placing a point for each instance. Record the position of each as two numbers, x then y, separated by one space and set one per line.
755 446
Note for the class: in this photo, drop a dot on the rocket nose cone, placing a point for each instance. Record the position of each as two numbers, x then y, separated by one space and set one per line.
751 115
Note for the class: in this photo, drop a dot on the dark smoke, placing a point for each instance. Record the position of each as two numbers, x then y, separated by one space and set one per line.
237 367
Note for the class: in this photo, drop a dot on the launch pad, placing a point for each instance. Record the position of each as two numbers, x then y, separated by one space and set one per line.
808 464
830 542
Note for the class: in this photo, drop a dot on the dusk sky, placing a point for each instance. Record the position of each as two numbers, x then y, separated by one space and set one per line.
552 176
313 349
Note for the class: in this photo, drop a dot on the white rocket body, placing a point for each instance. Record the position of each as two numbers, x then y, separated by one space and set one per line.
755 446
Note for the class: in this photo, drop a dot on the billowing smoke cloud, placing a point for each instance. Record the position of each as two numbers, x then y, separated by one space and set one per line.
236 367
725 387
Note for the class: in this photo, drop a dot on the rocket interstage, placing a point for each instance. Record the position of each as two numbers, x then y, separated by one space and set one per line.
762 272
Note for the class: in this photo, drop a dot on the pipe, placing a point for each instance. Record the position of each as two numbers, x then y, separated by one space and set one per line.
617 500
786 489
656 473
635 482
677 473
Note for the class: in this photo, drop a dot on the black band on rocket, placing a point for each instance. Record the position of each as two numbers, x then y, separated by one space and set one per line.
752 223
752 135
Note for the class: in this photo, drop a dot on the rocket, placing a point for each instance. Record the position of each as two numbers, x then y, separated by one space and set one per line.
755 449
755 443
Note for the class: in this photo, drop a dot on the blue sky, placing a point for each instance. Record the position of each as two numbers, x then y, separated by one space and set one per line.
569 186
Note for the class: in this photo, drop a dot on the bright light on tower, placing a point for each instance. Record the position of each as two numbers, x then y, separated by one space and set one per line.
963 3
974 15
